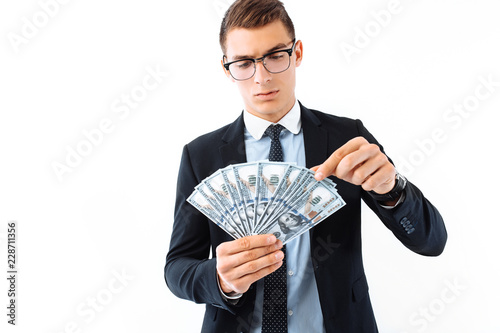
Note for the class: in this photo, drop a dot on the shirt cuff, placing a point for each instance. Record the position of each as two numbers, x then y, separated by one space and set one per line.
233 298
400 200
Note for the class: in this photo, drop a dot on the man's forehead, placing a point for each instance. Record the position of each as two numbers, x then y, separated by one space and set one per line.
256 41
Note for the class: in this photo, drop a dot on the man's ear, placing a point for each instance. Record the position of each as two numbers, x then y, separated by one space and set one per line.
225 70
299 53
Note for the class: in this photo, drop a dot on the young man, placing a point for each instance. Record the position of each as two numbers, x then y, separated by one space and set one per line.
245 285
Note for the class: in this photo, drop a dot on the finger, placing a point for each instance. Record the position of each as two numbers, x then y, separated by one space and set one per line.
242 284
382 180
330 165
314 168
262 262
254 266
235 273
363 171
245 244
356 160
244 257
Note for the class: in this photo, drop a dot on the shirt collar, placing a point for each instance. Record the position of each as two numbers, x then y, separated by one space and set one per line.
257 126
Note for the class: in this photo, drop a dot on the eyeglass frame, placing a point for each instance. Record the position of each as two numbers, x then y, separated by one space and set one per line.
256 60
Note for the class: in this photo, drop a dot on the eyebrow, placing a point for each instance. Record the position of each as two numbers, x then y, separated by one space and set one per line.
275 48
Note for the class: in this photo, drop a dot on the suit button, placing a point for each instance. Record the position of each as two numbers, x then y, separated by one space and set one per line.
405 222
410 231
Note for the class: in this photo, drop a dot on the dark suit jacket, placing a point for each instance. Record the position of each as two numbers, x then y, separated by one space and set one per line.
190 272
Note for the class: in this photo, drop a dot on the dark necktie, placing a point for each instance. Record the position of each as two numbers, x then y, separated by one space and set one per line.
274 315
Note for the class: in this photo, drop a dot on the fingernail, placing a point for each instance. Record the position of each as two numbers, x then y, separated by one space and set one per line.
280 255
318 175
271 239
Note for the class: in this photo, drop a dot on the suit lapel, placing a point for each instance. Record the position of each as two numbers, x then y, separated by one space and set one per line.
232 150
315 138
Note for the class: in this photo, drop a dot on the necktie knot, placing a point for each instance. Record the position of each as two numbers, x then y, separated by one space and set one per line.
273 131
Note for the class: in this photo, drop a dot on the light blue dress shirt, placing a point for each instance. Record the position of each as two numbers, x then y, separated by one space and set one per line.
304 310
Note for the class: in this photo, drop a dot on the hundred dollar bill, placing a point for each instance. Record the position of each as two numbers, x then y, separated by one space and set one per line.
231 184
199 202
220 190
210 198
307 196
314 201
303 181
325 201
290 176
286 227
270 175
246 181
329 210
299 216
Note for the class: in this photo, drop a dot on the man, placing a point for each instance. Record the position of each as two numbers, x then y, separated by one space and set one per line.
325 288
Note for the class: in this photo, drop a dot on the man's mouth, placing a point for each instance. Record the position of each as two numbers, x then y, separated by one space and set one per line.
267 95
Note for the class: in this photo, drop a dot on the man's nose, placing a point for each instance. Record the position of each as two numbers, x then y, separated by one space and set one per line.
261 74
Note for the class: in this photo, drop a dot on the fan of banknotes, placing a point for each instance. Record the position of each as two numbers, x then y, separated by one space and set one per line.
266 198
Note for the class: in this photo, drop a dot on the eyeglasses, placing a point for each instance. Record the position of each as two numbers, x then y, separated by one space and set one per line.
274 62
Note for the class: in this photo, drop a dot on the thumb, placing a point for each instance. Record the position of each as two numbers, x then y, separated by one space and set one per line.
319 174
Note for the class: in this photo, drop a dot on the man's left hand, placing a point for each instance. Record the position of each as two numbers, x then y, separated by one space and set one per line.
360 163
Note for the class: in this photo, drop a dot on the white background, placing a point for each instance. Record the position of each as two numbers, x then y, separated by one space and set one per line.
111 214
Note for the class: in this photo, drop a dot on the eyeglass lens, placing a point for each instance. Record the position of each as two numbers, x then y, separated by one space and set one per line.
275 63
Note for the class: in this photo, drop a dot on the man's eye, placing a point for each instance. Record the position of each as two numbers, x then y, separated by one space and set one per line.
243 64
275 57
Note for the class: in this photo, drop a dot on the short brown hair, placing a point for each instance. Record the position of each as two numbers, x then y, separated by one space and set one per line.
250 14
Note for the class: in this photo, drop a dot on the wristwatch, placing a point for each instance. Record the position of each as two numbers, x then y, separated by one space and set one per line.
393 194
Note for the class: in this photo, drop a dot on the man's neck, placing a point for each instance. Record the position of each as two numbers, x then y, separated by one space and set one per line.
274 117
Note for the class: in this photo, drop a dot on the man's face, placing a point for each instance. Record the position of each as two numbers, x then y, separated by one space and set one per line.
266 95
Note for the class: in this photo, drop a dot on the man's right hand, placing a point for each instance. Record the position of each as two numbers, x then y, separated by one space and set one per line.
243 261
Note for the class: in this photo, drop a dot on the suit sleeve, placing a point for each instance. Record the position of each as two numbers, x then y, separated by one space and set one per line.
189 272
415 222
